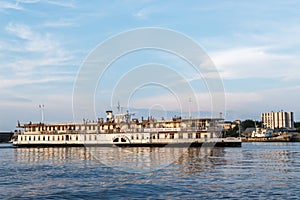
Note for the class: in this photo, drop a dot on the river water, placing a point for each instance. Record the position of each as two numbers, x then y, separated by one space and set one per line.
254 171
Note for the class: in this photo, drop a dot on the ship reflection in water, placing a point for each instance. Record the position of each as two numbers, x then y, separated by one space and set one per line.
130 159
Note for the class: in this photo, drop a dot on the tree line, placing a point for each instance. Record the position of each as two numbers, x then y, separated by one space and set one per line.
248 123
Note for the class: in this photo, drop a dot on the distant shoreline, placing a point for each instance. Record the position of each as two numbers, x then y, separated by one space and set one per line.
295 137
5 137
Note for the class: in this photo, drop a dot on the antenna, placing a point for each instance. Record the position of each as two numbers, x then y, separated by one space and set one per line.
190 101
118 107
42 107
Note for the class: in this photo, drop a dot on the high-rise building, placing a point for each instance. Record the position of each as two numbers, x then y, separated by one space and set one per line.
276 120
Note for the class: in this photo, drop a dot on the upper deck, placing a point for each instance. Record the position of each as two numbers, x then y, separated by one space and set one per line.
111 126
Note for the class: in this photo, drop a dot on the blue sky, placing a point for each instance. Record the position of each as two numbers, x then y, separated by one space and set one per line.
255 46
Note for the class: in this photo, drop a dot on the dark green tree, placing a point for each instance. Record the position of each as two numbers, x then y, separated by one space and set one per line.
297 126
232 132
248 123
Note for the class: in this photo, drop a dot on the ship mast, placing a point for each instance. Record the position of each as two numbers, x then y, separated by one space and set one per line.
42 107
190 102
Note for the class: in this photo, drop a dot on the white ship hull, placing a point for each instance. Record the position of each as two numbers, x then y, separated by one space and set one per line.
123 139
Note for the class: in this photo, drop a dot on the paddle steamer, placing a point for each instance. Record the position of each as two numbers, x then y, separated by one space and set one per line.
121 130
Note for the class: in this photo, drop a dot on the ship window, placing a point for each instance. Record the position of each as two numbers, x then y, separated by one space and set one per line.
157 136
198 135
39 138
76 137
116 140
153 136
123 140
190 135
142 136
171 135
137 136
67 137
132 137
180 135
44 138
29 138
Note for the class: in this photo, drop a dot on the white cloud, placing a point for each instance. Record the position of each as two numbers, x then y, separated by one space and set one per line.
142 13
255 62
37 49
146 12
28 1
9 83
7 5
34 65
68 4
60 23
252 104
34 42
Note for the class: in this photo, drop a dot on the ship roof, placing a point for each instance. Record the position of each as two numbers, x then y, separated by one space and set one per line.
144 122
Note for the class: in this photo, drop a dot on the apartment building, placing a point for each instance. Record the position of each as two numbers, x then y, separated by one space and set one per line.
279 119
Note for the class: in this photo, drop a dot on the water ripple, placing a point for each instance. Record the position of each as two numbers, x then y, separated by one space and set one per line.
257 170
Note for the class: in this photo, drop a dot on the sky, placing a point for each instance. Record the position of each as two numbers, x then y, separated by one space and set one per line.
254 45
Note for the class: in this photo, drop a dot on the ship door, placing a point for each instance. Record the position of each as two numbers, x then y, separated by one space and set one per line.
120 139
